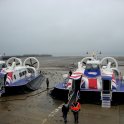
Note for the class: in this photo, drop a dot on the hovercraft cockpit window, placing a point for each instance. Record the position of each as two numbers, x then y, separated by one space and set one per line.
92 66
2 66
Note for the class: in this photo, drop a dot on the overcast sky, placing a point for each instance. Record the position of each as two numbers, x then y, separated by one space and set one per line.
61 27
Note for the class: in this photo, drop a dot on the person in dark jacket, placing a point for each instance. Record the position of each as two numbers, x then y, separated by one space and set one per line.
47 83
65 110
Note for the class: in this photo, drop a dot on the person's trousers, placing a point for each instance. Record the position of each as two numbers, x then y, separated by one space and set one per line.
75 116
65 116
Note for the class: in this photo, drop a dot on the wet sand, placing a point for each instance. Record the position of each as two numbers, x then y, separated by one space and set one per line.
39 108
93 114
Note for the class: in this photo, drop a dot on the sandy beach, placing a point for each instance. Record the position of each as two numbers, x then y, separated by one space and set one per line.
39 107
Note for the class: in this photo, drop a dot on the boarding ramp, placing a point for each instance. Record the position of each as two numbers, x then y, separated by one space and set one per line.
106 93
73 97
74 94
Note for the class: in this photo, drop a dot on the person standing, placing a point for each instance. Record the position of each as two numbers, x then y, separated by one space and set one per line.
70 73
65 110
75 108
47 83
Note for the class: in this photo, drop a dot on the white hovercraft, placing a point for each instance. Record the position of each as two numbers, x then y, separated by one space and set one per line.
18 75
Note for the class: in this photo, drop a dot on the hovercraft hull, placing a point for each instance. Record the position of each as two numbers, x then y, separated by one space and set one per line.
30 85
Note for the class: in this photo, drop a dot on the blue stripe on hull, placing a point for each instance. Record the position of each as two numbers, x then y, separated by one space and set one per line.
22 82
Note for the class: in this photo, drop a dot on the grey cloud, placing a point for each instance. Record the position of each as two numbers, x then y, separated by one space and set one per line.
61 27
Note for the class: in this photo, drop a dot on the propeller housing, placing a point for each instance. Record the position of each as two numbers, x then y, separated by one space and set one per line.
31 61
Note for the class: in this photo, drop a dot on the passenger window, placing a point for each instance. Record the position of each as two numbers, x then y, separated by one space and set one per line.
23 73
20 74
